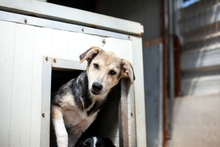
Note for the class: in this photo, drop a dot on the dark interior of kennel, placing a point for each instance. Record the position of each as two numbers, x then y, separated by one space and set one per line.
107 122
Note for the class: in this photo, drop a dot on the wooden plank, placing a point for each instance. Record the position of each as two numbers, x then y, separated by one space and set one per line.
36 88
137 58
66 14
28 46
45 102
56 44
16 122
46 34
6 79
123 114
76 46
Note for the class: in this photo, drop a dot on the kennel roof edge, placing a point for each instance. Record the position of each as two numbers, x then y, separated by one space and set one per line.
71 15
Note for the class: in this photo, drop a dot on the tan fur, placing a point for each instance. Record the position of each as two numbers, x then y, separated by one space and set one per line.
68 114
56 115
107 61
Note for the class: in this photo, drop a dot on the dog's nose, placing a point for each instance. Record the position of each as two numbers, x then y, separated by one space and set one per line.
97 86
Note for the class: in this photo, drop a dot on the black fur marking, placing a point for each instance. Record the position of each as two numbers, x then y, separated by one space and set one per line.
57 96
80 90
78 87
97 106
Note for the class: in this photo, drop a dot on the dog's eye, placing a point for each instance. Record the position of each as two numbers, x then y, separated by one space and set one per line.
112 72
96 66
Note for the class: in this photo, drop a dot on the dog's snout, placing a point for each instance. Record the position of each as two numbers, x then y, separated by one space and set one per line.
97 86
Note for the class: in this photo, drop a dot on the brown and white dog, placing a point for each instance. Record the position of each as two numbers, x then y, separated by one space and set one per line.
76 104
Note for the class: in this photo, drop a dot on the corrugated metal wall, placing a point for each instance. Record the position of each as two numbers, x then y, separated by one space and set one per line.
200 56
195 117
153 87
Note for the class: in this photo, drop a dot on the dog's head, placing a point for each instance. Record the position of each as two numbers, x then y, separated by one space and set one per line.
105 69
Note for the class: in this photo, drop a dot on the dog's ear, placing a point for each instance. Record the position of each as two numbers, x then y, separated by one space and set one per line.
90 53
127 70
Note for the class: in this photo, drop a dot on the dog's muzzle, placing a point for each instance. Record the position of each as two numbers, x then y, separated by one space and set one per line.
96 88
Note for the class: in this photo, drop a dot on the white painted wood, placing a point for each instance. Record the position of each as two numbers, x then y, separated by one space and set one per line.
45 102
74 44
66 14
196 121
139 92
36 21
25 80
27 84
6 80
36 88
16 105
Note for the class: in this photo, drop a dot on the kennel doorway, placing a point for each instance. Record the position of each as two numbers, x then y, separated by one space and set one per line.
112 120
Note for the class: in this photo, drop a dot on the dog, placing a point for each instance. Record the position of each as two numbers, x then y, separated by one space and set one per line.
95 142
75 105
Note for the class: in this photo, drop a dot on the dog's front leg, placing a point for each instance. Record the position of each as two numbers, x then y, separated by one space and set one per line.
59 126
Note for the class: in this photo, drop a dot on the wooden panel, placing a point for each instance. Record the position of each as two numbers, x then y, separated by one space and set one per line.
23 54
66 14
139 92
36 87
59 44
196 121
123 114
6 80
76 47
26 84
17 87
45 102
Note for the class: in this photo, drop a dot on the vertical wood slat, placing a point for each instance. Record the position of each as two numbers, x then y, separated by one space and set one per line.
45 102
123 115
27 84
6 79
17 87
39 35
